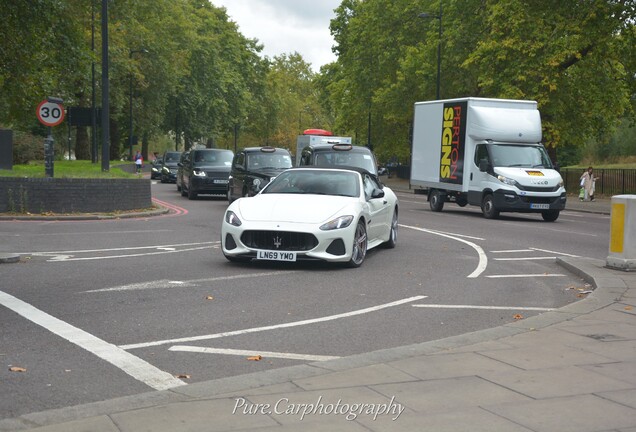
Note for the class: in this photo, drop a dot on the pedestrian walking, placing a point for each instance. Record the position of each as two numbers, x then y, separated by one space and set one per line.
588 184
139 162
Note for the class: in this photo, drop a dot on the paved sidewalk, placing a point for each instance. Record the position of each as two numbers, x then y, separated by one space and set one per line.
573 369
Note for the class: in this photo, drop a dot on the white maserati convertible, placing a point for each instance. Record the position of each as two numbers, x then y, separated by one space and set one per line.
312 213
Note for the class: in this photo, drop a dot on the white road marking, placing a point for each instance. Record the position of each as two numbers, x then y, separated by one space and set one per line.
275 326
483 259
441 306
526 275
130 364
121 249
62 258
525 258
512 251
165 283
558 253
264 354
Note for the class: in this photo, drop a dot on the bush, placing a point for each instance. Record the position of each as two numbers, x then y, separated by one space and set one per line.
27 147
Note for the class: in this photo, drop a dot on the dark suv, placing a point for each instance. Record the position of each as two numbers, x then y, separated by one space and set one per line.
205 171
169 166
339 155
252 169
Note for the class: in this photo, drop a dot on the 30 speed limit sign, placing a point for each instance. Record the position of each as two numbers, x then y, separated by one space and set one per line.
50 113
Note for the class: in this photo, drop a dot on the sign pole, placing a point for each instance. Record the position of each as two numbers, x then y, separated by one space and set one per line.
50 112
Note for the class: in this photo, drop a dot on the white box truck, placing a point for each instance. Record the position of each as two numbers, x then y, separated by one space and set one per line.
311 137
484 152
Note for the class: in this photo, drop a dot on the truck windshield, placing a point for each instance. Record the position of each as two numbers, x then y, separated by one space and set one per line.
515 155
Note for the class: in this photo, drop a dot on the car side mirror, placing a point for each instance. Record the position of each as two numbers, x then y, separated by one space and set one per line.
377 193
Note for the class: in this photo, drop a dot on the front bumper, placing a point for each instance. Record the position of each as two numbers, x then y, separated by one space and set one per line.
506 200
333 245
209 185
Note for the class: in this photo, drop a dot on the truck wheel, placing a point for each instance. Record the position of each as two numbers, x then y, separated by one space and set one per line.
488 208
436 200
550 216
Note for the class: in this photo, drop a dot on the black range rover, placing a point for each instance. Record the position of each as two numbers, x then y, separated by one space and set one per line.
252 169
205 171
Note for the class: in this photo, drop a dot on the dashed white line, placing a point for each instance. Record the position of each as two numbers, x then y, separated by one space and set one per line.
526 275
558 253
165 283
525 258
273 327
265 354
442 306
130 364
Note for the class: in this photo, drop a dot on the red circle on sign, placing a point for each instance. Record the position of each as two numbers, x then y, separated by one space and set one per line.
50 113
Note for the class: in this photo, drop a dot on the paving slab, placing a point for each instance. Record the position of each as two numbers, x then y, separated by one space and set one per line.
195 416
460 420
366 375
101 423
546 356
450 365
447 395
585 413
556 382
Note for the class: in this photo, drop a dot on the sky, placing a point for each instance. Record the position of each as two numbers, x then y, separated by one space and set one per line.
287 26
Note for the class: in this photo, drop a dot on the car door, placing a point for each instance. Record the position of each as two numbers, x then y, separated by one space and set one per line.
238 174
378 208
187 171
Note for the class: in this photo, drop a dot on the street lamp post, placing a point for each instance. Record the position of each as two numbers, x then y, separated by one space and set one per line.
130 112
439 46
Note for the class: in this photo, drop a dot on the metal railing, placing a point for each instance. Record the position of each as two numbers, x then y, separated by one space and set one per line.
609 181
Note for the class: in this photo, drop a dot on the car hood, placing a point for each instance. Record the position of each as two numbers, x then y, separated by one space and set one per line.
291 207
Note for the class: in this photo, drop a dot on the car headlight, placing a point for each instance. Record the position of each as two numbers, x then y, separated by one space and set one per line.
341 222
198 173
165 170
232 218
507 180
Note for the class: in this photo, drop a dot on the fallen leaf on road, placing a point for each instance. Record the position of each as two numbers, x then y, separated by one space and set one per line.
518 316
17 369
628 308
255 358
184 376
209 297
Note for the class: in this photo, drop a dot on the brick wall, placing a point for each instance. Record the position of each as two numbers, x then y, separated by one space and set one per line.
60 195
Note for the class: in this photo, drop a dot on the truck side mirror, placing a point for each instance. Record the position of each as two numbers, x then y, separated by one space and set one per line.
484 165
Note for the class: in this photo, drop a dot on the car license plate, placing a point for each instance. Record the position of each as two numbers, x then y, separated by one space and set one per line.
540 206
221 181
276 255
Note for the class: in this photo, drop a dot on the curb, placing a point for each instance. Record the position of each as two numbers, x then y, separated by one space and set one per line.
84 216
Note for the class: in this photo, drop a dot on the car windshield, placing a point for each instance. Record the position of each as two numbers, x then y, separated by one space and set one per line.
213 157
346 158
514 155
172 157
338 183
261 161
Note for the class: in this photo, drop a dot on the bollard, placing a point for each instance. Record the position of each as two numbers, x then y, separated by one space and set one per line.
622 247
